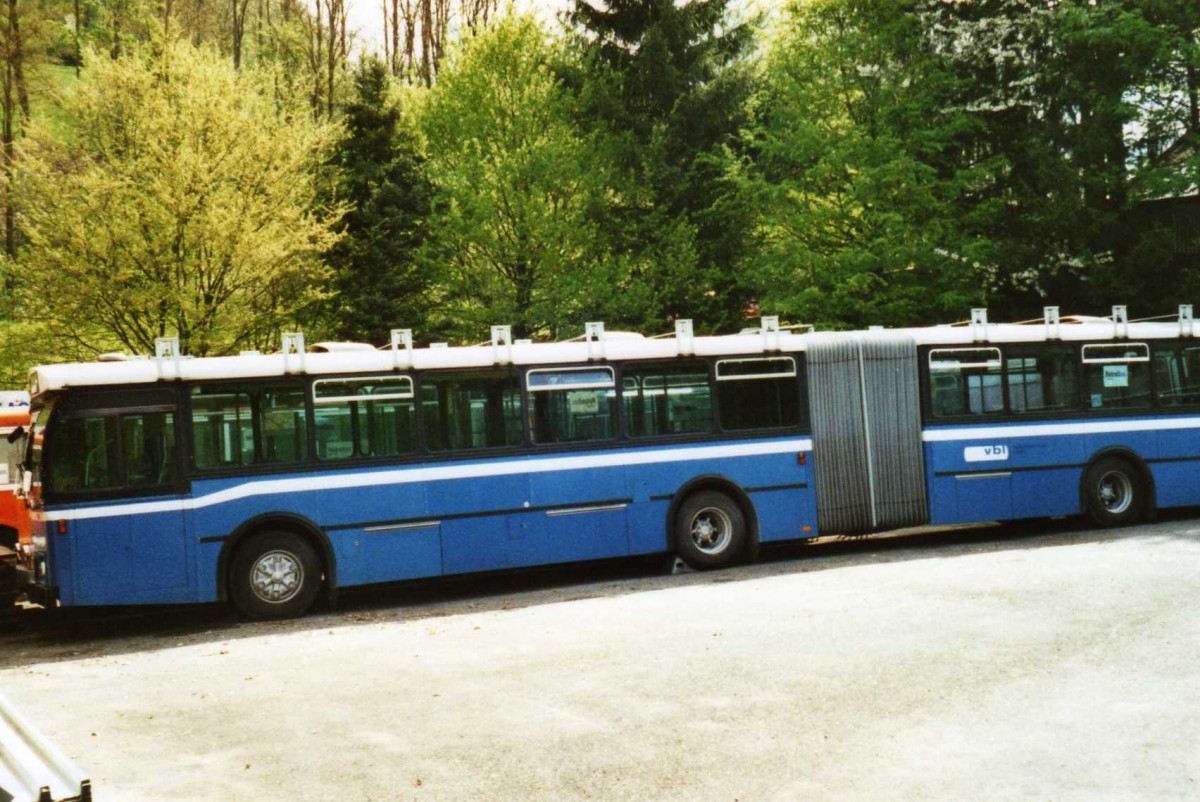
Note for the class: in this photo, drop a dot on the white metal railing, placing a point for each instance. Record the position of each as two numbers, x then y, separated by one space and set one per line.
32 769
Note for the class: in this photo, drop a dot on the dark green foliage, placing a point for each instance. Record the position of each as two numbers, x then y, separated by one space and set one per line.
666 85
377 282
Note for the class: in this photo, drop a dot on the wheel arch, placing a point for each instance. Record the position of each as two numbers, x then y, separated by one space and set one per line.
1133 458
277 521
720 484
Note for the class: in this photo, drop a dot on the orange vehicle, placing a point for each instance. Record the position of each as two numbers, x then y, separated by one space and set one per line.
16 544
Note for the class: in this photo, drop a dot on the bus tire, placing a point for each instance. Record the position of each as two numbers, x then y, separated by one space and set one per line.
1113 492
274 575
710 530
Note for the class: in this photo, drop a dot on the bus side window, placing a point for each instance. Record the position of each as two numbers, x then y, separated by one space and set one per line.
222 431
1042 379
672 398
757 393
282 423
110 450
949 396
965 381
572 405
476 409
239 426
148 448
373 416
1177 381
1117 375
85 453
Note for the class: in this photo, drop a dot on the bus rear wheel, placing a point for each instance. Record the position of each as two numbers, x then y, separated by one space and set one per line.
274 575
1113 492
710 530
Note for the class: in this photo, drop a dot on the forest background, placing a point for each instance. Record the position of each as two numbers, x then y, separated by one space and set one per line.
226 170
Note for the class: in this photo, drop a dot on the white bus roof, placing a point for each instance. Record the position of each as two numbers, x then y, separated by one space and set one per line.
340 359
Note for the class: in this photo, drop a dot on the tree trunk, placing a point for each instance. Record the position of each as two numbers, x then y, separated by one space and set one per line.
239 30
395 63
427 41
1193 86
78 41
8 110
16 57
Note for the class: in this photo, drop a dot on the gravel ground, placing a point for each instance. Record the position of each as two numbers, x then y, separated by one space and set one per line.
995 664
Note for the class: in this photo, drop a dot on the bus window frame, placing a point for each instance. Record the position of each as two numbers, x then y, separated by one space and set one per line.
252 386
350 401
651 439
798 374
528 391
61 412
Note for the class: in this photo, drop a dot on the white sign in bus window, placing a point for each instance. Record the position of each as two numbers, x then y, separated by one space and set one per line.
1116 375
584 403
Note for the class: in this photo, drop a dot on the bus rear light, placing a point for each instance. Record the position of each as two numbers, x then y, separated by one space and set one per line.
802 458
62 526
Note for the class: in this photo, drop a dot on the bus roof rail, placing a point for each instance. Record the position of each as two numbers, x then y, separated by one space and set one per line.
338 347
979 325
685 340
1120 319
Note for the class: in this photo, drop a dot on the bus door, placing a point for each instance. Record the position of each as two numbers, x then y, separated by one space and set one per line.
114 501
972 478
577 497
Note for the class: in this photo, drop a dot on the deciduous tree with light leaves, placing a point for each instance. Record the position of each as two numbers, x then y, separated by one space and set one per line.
183 203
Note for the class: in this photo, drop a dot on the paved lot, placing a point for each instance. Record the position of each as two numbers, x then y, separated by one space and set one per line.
989 664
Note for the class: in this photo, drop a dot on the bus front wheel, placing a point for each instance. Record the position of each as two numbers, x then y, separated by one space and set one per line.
1113 492
710 530
274 575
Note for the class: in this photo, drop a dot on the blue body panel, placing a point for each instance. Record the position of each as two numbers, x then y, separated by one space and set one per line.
1026 470
400 522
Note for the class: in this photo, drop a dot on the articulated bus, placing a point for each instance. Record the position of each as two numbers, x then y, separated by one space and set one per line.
267 480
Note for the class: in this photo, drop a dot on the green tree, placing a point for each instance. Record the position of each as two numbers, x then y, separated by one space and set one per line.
516 183
378 281
668 84
855 194
184 204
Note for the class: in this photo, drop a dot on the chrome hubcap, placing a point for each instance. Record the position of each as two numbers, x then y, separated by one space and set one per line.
711 530
1115 491
276 576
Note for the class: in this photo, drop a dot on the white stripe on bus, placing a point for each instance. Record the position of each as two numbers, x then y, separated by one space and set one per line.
1000 431
434 473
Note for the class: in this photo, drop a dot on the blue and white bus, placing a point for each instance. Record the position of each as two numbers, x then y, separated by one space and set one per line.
267 480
